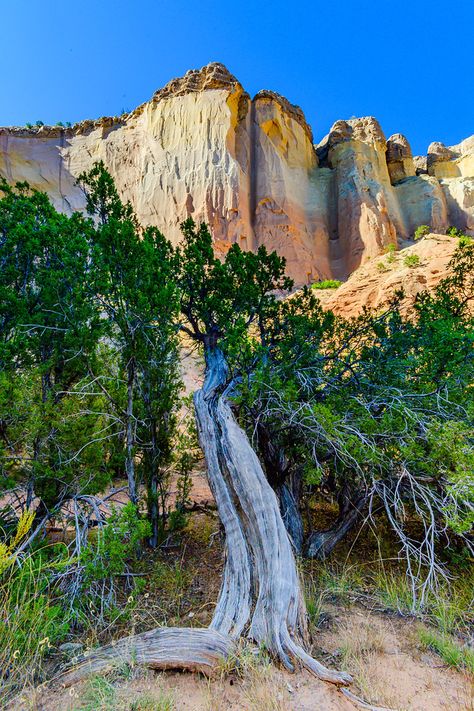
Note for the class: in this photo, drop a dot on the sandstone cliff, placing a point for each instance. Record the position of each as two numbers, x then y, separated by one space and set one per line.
202 147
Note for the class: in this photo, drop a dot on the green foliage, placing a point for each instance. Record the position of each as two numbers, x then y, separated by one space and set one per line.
454 232
421 231
31 623
390 251
455 655
326 284
133 273
39 124
220 300
380 405
88 350
411 260
48 327
464 240
29 125
117 542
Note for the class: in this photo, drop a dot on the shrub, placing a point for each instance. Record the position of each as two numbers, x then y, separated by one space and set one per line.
92 580
454 232
29 125
411 260
422 231
390 251
39 123
327 284
464 240
30 621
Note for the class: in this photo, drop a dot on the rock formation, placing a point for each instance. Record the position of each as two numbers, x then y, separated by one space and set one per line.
202 147
374 283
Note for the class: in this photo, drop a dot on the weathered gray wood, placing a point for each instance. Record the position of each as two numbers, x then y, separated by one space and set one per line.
278 619
260 568
163 648
233 606
291 516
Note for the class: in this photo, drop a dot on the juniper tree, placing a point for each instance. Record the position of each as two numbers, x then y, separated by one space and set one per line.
376 410
48 323
133 284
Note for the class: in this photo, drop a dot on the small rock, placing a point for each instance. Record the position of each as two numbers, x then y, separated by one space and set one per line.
426 659
191 614
290 688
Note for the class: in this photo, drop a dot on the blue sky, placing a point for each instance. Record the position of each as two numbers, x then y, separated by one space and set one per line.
410 64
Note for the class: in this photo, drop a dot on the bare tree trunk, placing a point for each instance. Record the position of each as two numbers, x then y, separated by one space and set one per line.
321 544
129 436
291 516
260 591
258 548
153 514
276 467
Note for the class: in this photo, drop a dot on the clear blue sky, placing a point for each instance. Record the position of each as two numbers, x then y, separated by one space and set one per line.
410 64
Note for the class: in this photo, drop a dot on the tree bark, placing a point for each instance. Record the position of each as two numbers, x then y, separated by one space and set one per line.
291 516
258 548
321 544
260 592
129 436
277 468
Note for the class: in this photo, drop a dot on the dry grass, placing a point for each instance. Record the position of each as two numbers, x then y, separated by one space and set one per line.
359 646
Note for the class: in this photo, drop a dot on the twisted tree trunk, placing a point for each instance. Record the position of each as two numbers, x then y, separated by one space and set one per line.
258 548
260 593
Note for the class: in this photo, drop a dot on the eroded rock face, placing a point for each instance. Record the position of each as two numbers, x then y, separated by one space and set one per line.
202 147
399 158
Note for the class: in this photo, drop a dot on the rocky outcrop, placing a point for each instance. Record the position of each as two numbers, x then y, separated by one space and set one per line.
366 213
399 158
202 147
374 284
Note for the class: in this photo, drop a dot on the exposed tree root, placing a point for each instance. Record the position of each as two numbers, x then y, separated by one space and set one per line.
361 703
260 593
197 650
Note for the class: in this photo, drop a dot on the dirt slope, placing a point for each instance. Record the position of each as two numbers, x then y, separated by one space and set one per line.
374 283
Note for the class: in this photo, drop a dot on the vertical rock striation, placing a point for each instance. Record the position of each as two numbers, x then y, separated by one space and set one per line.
202 147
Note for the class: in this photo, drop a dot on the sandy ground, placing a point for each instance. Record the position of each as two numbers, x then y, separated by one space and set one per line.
381 652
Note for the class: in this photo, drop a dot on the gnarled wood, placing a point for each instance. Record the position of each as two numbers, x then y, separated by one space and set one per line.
252 515
163 648
321 543
260 566
291 517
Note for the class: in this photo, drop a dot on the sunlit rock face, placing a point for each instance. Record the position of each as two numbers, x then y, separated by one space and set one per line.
202 147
